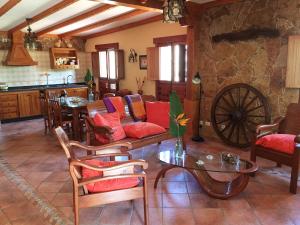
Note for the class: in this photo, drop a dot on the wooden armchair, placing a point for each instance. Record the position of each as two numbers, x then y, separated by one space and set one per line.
287 149
103 182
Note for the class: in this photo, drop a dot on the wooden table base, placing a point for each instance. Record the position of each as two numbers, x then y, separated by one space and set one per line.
214 188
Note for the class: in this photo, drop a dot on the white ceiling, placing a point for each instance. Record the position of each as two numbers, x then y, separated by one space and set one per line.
30 8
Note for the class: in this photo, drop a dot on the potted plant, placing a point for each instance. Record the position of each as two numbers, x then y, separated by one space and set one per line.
90 82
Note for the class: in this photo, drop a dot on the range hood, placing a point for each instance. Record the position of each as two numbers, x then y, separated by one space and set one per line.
18 54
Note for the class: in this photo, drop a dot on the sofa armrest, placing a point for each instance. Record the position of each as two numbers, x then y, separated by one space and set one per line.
92 129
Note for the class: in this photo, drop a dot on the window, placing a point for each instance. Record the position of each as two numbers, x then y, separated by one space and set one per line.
107 64
172 63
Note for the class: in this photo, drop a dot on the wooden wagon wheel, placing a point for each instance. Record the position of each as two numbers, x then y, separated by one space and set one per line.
236 111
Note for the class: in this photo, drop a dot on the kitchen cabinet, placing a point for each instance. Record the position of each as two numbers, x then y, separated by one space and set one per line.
29 103
64 58
9 106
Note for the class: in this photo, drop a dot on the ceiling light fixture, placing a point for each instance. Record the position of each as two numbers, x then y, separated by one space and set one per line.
30 38
173 10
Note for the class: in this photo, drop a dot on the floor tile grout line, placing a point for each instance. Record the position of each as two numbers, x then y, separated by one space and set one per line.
46 209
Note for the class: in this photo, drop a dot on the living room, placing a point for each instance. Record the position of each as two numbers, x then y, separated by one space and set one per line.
149 112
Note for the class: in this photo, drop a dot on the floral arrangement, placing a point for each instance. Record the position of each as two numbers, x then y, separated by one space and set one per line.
140 84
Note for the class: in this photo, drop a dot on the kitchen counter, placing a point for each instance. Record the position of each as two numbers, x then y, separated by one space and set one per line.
44 87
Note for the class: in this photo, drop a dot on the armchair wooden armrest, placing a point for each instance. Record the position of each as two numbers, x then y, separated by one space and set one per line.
115 168
103 155
105 149
263 130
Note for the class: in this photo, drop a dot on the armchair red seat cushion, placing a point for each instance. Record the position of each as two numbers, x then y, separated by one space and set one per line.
111 120
142 129
158 113
107 185
278 142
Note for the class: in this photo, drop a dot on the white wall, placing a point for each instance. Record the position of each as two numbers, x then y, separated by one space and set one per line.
32 75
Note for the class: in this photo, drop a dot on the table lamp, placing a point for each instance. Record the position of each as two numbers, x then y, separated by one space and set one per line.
197 81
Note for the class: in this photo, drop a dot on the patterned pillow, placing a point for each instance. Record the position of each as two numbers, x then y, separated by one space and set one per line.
136 107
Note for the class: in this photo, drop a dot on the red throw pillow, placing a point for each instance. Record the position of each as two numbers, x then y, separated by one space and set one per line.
107 185
111 120
119 106
142 129
158 113
278 142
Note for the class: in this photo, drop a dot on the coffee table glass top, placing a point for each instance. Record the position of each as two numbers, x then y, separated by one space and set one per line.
206 161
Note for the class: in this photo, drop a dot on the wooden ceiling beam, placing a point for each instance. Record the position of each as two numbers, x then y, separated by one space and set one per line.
124 27
150 5
7 6
75 19
42 15
102 23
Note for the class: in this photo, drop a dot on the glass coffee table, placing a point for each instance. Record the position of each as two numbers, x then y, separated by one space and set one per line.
200 165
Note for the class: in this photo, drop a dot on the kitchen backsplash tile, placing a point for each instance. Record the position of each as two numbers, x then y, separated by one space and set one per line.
34 75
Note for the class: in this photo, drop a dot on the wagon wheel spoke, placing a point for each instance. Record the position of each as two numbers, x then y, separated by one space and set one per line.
226 128
249 128
232 99
249 103
245 97
227 102
244 132
238 133
239 97
252 122
255 108
231 131
223 121
225 109
258 116
223 114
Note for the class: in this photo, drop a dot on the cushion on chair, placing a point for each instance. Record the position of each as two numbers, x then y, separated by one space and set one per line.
107 185
114 104
158 113
111 120
136 107
142 129
278 142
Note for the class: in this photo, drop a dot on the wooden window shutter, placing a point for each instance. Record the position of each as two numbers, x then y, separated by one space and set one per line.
293 65
120 64
95 64
153 63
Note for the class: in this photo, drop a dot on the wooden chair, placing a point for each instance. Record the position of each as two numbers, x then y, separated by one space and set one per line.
95 107
60 117
46 114
118 171
290 124
109 95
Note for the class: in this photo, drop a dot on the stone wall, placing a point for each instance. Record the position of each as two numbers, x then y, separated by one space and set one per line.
259 62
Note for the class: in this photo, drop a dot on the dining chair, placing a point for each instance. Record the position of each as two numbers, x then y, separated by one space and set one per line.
280 142
109 95
46 113
60 117
99 182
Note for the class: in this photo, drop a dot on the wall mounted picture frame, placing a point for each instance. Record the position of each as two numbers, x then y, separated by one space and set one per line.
143 62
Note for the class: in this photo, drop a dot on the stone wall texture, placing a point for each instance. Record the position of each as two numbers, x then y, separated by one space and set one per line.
259 62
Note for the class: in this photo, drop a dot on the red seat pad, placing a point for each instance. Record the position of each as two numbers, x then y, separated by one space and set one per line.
158 113
142 129
111 120
107 185
278 142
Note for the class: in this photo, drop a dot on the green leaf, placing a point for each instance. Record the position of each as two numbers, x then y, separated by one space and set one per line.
88 76
175 109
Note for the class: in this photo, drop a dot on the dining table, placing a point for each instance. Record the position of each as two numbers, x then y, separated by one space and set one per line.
78 107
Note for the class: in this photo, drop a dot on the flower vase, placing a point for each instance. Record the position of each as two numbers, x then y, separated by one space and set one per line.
179 148
91 96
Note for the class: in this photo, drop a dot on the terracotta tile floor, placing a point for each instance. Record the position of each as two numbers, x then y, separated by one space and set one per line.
178 200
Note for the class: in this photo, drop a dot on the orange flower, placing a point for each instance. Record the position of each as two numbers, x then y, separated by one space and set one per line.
180 120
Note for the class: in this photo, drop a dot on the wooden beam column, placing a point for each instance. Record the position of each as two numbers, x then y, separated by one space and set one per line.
191 103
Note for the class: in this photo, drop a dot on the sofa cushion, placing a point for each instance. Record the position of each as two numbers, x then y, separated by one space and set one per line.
136 107
114 104
111 120
107 185
142 129
158 113
278 142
